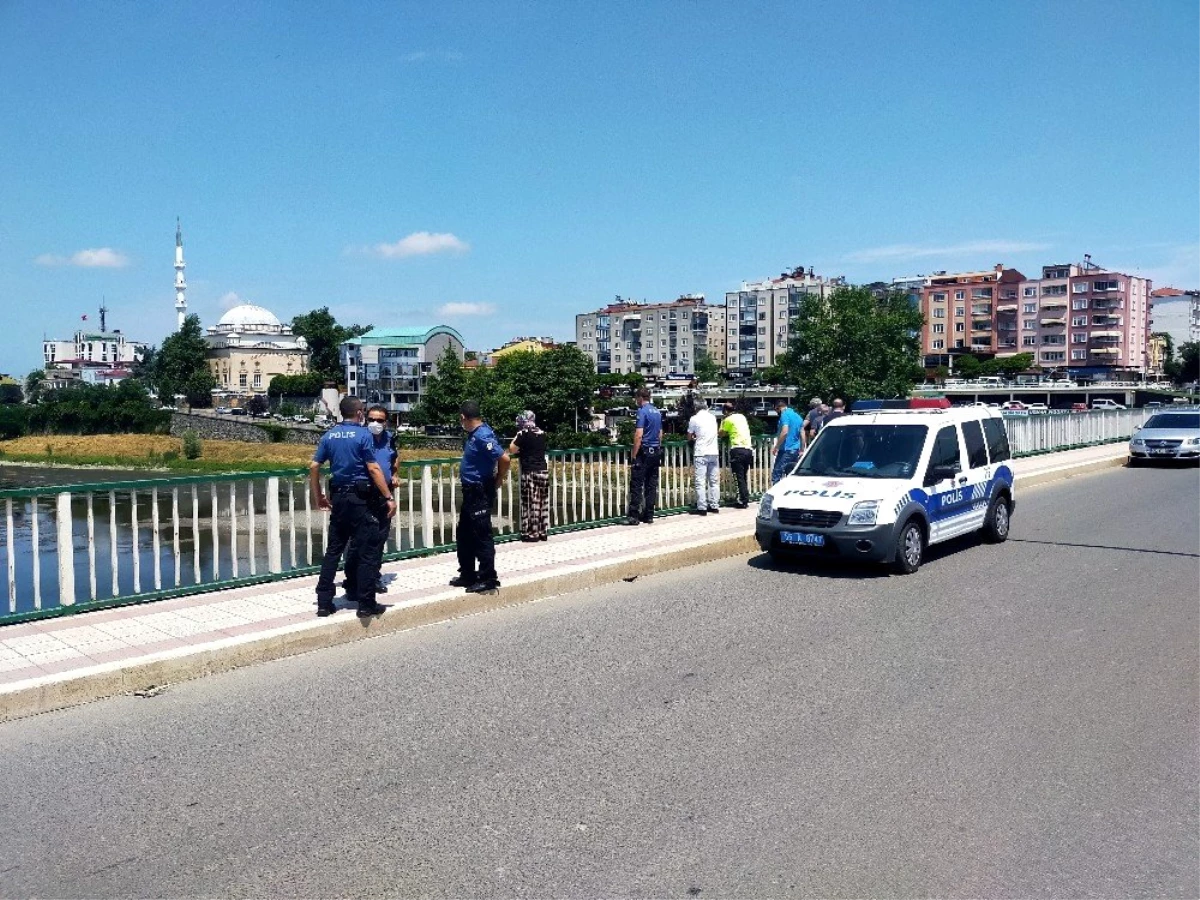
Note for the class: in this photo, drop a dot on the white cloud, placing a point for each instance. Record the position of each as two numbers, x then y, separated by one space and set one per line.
229 300
419 243
896 252
456 310
99 258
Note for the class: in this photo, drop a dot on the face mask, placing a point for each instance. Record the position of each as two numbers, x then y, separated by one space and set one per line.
375 427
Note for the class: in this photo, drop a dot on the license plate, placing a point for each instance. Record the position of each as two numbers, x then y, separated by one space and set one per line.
1162 451
800 537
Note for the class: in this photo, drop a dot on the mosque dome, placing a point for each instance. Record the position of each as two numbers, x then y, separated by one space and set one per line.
250 318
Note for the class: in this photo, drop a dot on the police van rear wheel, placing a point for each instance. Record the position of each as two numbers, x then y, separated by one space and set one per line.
910 548
998 523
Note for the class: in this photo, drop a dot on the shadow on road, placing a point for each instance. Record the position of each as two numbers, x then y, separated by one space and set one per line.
837 567
1106 547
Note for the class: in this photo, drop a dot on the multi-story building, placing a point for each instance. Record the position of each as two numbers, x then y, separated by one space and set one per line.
758 317
1176 313
389 366
102 346
1080 317
653 339
718 330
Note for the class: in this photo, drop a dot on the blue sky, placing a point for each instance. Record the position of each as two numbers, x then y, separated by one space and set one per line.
502 166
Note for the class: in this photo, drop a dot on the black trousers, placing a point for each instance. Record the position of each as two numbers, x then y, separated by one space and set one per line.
350 520
740 460
377 513
643 483
476 547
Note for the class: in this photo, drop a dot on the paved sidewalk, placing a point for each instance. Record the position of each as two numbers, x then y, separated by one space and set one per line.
59 662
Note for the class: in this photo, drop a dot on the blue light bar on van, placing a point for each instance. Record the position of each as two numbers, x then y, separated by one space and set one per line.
910 403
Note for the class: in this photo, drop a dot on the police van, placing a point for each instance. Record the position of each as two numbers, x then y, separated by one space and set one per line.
888 480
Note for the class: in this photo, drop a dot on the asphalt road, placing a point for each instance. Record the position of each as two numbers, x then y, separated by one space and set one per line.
1015 720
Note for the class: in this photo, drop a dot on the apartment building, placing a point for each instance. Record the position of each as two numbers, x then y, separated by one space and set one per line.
1077 316
390 366
758 317
653 339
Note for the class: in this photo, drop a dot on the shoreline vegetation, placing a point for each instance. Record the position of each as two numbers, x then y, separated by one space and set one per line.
156 452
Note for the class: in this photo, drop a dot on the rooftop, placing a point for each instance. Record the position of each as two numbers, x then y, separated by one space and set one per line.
401 337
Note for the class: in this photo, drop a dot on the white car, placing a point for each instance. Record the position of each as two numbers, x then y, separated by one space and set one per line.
1038 408
882 485
1106 404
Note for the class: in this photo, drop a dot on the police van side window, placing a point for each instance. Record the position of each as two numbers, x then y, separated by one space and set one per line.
945 450
997 440
976 448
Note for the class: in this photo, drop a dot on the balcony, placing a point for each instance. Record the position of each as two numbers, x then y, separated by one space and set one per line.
1055 304
1054 323
1106 303
981 309
1105 351
1007 307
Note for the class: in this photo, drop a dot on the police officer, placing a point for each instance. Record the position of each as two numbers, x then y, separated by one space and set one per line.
354 477
646 459
386 456
484 465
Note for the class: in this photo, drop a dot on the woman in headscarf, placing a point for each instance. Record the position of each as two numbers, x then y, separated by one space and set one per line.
529 448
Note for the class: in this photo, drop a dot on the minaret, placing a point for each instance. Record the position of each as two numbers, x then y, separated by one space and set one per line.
180 284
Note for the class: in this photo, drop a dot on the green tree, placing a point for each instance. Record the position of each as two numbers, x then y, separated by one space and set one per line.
967 366
1189 362
707 368
308 384
180 366
35 385
852 344
1012 366
444 392
325 336
10 392
1171 363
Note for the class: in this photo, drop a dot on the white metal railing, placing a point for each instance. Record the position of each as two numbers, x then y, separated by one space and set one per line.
105 543
1061 430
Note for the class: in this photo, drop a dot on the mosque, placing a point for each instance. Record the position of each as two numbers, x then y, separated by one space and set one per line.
248 346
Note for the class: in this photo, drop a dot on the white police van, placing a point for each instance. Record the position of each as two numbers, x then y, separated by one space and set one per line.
886 481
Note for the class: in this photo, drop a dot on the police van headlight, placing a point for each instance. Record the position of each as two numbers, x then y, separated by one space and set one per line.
864 513
765 506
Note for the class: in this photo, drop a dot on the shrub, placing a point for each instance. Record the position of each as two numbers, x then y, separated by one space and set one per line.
275 431
192 447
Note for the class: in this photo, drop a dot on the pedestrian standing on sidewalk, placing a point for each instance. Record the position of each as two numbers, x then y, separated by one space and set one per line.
741 451
354 477
789 440
645 461
529 449
706 460
484 465
386 457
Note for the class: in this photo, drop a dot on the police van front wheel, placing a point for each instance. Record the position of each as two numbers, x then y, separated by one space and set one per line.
910 548
997 523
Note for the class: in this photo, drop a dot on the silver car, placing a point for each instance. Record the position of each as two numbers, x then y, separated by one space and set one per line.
1167 435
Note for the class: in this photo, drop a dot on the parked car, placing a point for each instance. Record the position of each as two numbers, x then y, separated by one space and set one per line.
1038 408
1079 407
223 410
885 485
1106 404
1015 406
238 411
1166 435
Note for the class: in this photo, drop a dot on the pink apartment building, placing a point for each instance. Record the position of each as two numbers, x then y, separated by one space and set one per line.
1079 317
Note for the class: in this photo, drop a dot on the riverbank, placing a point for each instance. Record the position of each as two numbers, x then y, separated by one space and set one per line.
156 452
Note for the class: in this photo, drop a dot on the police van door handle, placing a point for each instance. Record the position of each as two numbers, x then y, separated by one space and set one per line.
962 480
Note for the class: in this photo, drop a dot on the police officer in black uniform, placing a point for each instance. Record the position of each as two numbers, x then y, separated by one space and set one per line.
484 465
355 483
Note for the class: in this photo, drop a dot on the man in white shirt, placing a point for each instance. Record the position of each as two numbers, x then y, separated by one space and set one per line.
702 432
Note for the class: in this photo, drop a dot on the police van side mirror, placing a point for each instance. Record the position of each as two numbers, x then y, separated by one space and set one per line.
939 473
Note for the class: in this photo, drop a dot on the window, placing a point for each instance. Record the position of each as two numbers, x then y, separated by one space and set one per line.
976 448
1080 287
1030 307
981 293
1054 355
960 295
1078 321
1079 304
1054 290
783 314
945 450
1030 292
257 381
1030 340
960 327
939 328
1029 325
1079 338
938 345
960 310
939 298
997 440
958 343
939 314
1104 286
242 380
1054 338
1078 354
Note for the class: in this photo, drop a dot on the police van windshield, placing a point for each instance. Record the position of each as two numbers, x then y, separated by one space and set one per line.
865 451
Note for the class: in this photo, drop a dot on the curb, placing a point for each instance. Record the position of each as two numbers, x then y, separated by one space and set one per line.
442 607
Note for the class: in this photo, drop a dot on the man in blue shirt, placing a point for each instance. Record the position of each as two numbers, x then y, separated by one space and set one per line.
484 465
386 457
789 440
354 476
646 459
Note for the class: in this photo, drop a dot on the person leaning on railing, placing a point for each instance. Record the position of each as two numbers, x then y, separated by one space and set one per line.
354 475
529 449
741 451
